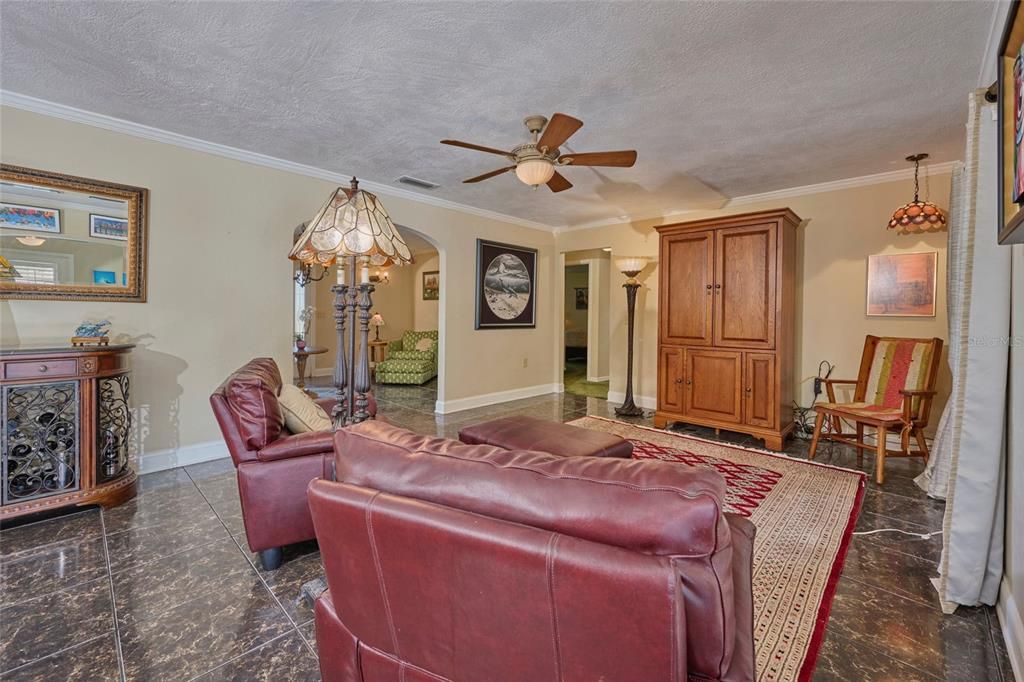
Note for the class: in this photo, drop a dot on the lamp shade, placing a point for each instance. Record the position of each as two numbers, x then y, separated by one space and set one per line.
918 217
376 320
631 266
535 171
353 222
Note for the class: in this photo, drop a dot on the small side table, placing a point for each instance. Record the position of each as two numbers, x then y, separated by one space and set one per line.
378 353
301 355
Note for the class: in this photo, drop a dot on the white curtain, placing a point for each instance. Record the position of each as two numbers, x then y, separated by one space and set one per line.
968 462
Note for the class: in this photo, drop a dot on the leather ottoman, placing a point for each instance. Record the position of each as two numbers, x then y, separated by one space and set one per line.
556 438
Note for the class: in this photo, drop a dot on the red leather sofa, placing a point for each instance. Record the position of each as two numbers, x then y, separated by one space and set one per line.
273 465
447 561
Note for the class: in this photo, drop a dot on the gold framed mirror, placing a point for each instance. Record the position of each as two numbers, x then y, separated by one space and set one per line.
65 238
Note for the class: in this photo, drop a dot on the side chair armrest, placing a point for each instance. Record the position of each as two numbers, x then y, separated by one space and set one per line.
830 383
908 404
298 445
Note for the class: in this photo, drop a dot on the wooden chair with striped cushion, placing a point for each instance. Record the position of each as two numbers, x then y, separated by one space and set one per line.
893 393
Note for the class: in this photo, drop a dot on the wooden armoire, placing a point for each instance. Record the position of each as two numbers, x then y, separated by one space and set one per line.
726 301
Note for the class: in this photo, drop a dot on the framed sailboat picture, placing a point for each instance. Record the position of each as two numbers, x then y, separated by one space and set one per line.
506 285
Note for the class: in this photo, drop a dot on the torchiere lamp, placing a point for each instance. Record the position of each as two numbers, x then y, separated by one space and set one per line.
352 229
630 267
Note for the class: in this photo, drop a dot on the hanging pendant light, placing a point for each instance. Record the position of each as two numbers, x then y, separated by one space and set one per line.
918 216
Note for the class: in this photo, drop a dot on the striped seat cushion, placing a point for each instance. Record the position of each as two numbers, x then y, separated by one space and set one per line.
899 364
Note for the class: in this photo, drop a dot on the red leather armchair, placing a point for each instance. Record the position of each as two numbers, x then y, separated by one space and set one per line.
273 466
447 561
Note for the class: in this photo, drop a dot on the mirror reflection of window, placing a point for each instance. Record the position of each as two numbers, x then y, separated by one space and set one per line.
54 236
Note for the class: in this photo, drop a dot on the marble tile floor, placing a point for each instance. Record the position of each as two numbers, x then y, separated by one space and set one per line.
164 587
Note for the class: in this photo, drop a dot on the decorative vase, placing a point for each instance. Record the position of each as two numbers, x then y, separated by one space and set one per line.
300 344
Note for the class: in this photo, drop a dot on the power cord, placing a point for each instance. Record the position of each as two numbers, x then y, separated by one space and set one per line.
804 416
923 536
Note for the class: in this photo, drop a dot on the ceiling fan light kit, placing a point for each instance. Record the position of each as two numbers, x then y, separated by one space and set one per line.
535 171
536 160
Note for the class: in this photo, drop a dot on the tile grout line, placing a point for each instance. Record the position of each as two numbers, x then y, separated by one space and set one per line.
244 653
113 602
263 582
55 653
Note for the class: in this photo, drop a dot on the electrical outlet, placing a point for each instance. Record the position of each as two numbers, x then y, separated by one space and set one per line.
526 361
817 386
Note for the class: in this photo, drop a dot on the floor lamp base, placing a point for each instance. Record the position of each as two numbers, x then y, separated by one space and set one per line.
629 410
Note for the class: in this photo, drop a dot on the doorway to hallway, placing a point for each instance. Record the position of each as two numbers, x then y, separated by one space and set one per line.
586 319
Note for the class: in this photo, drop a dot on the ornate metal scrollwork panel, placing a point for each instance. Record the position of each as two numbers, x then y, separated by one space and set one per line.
40 440
113 427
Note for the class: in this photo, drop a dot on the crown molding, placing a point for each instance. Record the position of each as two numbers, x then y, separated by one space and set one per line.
67 113
817 188
75 115
846 183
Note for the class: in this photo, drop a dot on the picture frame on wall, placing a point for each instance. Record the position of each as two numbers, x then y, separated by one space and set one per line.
902 284
30 218
506 285
431 285
108 227
1010 108
582 298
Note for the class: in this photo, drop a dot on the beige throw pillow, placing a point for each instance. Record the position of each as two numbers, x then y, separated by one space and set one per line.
301 414
425 344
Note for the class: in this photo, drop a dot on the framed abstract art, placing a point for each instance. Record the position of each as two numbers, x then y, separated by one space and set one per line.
902 284
506 285
33 218
1010 108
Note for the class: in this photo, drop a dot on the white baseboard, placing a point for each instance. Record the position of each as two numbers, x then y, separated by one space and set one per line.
597 379
459 404
159 460
1013 628
645 401
322 372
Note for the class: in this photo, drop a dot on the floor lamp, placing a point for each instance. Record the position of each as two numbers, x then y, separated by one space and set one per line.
354 231
630 267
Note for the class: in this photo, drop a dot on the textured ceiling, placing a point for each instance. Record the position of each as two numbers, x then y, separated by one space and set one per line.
719 99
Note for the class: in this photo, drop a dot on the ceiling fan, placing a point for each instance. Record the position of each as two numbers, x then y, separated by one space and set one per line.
535 162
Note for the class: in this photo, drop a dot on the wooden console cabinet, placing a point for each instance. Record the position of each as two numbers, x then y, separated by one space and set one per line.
66 428
726 300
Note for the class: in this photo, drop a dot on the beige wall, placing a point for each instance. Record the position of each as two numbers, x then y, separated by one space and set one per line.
1014 575
424 313
841 228
220 285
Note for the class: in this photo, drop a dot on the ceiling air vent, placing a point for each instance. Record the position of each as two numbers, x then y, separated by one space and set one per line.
416 182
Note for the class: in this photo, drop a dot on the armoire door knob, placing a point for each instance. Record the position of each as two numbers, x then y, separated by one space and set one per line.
709 286
718 286
679 381
688 382
749 390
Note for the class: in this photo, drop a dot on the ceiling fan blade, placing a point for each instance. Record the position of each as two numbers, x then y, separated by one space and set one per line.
490 175
559 129
468 145
624 159
558 183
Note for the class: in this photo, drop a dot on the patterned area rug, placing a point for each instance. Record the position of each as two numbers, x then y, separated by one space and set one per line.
805 514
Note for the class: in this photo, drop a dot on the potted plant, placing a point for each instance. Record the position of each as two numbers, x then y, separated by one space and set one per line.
300 343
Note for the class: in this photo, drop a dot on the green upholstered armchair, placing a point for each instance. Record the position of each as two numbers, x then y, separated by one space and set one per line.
409 360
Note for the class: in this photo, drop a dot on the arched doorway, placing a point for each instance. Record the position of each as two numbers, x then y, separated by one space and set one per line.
409 298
